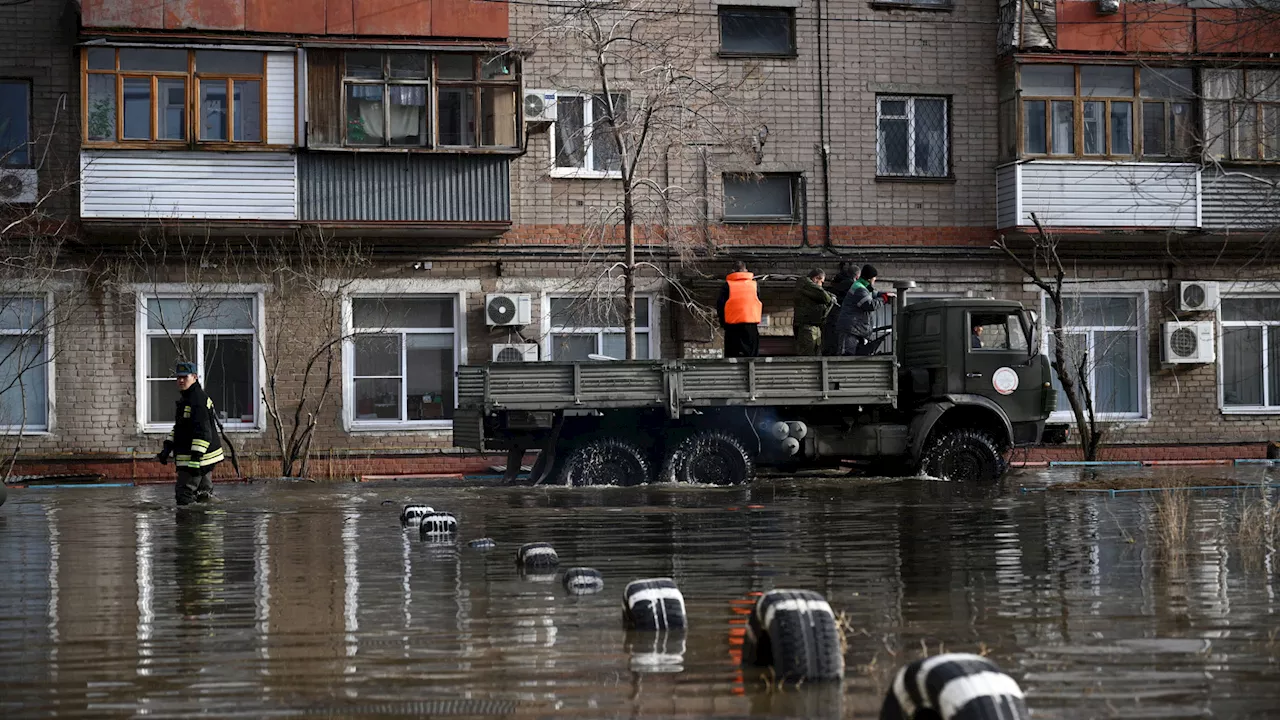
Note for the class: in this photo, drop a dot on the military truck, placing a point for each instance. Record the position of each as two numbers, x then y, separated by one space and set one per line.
959 384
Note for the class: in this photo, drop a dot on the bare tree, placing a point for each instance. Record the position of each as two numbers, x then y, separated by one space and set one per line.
656 106
1043 264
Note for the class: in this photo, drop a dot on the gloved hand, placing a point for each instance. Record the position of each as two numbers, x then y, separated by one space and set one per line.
885 297
163 456
196 455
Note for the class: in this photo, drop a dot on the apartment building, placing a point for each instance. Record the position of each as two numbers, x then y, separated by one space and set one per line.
463 147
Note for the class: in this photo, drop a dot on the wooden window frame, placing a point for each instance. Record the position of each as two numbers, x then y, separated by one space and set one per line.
477 83
385 82
1233 105
192 79
1169 154
1077 118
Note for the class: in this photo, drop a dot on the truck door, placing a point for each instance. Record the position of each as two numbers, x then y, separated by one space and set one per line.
995 358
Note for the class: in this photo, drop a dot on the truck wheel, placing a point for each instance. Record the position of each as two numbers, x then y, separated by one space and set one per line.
710 457
606 461
967 456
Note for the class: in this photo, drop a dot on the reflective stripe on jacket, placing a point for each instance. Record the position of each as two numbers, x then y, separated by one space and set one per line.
196 443
743 305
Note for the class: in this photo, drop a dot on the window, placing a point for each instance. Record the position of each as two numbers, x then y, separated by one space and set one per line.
159 95
756 31
584 141
582 326
1104 332
1242 114
1168 122
403 357
1106 110
996 331
1251 353
24 364
911 137
15 123
218 334
386 98
767 197
471 87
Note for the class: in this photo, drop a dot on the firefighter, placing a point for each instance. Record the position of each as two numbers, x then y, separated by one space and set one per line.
194 440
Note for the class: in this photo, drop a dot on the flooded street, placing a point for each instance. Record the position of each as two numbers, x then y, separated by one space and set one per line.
304 599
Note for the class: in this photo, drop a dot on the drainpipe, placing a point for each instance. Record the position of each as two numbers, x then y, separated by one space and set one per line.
823 150
804 212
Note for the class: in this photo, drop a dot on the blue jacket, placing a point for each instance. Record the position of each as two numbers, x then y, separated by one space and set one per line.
857 310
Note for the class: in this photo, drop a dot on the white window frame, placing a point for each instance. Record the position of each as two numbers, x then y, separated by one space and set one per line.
143 345
50 395
1063 414
587 171
1265 325
548 344
910 117
349 331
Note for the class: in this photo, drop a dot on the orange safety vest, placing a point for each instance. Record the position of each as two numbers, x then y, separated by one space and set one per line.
743 305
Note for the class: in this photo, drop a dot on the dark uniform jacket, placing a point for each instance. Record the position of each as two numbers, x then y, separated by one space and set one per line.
194 440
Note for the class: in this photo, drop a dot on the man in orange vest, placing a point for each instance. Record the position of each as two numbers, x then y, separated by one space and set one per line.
740 311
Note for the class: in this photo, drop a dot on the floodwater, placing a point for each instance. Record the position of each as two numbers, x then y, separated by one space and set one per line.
298 599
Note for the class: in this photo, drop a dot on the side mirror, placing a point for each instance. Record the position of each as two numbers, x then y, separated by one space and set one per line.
1031 326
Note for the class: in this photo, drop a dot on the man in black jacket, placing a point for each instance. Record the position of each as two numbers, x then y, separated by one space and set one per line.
194 440
839 287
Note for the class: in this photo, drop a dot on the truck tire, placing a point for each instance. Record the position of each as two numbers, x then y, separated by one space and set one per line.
794 632
709 457
963 455
956 686
607 461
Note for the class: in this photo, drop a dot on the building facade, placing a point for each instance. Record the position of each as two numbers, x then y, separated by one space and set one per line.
338 204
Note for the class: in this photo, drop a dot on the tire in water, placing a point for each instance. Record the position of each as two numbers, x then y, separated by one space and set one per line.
709 457
955 686
794 632
653 604
962 455
607 461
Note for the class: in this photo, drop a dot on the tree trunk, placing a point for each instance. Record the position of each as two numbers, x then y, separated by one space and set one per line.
629 271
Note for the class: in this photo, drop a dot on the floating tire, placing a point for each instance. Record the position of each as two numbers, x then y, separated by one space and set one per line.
653 604
411 515
794 632
437 525
963 455
482 544
537 556
955 686
710 457
607 461
583 581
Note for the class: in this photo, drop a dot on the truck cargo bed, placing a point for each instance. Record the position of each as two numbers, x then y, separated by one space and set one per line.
678 384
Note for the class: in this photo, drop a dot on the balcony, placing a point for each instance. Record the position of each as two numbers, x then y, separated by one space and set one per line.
1099 195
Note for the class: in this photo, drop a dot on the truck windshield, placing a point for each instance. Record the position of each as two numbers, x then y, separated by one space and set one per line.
996 331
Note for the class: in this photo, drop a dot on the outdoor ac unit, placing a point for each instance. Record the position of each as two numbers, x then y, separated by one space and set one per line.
1188 342
539 106
515 352
17 186
1198 296
1108 7
508 309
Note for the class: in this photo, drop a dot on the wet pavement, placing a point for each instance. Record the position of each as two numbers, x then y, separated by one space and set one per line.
298 599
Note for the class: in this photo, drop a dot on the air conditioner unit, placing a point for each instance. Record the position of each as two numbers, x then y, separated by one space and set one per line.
1188 342
17 186
539 106
1108 7
1198 296
515 352
508 309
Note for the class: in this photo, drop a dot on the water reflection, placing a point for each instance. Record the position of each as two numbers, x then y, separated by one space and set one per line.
283 599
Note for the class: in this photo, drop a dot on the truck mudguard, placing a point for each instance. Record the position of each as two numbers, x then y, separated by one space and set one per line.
931 412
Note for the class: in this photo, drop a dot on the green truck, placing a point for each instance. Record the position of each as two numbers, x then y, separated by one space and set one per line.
959 384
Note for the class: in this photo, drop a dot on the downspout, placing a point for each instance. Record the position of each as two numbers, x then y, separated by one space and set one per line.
822 136
804 212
